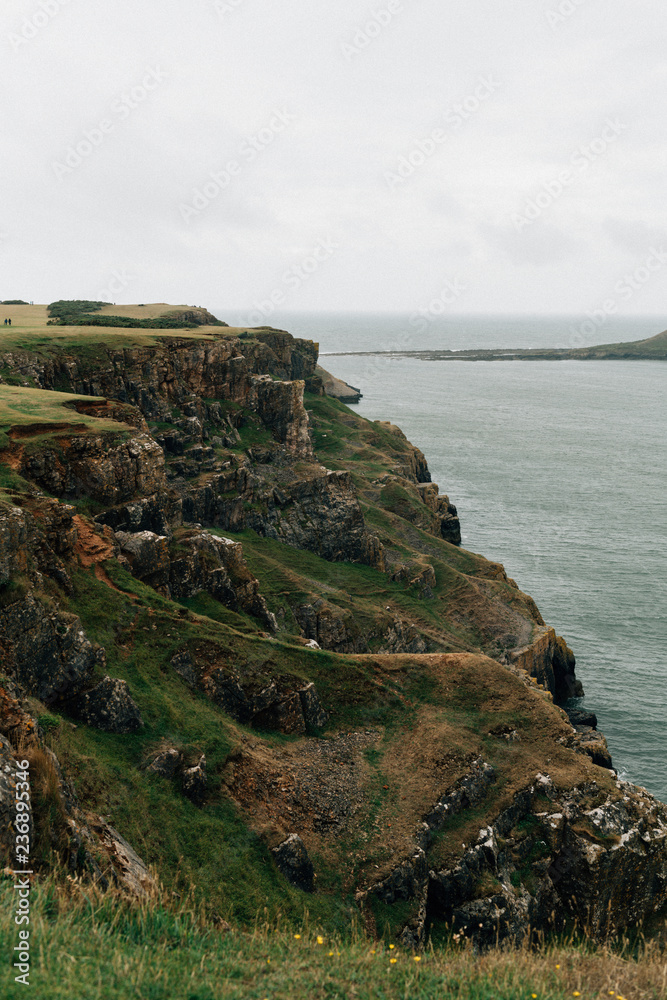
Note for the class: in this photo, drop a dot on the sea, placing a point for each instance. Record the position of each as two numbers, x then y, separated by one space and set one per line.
558 470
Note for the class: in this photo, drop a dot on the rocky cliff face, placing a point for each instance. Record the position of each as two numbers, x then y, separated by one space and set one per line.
157 379
343 615
195 562
100 468
540 852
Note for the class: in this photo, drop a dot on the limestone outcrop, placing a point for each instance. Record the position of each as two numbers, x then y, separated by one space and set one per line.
178 372
257 698
422 504
534 860
192 562
551 662
48 653
332 628
337 388
319 512
413 465
108 706
99 467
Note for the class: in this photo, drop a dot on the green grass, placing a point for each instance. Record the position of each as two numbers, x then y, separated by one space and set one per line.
10 480
21 407
212 847
86 946
292 577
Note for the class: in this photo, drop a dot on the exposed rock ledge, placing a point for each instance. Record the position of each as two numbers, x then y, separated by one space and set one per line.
337 388
603 864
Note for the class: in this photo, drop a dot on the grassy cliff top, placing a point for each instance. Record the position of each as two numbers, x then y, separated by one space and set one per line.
30 328
39 408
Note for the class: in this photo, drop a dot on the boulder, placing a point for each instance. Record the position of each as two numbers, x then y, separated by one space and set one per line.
109 706
165 763
291 858
580 717
194 782
148 556
314 714
48 653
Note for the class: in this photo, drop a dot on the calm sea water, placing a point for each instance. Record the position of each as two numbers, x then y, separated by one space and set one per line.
559 471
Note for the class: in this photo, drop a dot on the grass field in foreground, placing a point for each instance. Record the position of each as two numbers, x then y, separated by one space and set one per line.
86 946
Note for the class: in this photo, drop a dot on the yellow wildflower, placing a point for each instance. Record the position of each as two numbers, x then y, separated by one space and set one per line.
297 937
393 961
320 939
391 947
417 958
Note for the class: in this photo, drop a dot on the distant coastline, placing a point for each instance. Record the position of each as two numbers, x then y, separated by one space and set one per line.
652 349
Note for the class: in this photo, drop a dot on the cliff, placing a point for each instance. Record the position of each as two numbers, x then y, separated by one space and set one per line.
237 623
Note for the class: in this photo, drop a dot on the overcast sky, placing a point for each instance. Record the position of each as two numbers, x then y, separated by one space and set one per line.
506 155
